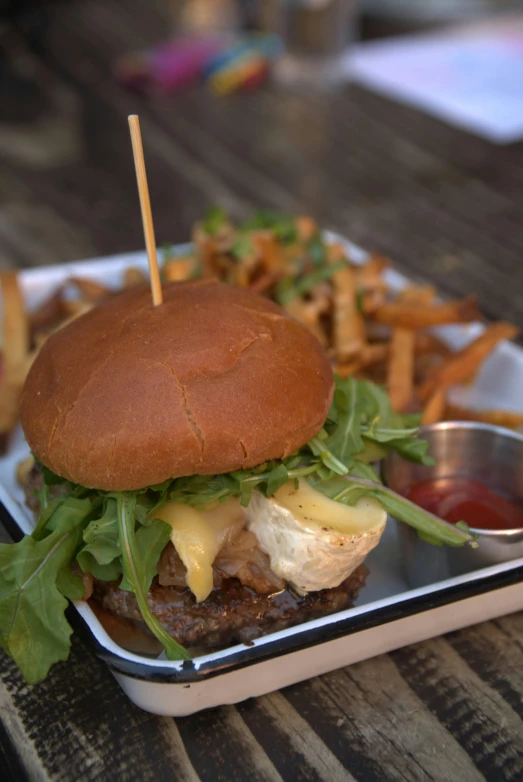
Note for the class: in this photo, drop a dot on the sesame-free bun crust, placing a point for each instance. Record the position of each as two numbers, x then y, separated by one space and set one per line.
214 379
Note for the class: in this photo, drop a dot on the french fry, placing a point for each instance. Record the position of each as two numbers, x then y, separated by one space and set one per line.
506 418
23 469
89 289
308 314
372 300
265 281
349 369
348 326
460 367
133 276
178 269
374 353
15 330
434 409
429 344
369 275
404 315
306 227
267 252
417 295
73 308
400 370
48 314
15 324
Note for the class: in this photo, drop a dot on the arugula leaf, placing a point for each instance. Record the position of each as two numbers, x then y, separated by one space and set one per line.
167 252
101 537
283 226
33 627
383 435
319 448
413 450
136 574
428 526
242 247
151 541
317 249
214 220
277 477
346 440
286 291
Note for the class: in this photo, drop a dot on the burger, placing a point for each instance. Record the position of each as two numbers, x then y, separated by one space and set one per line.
200 477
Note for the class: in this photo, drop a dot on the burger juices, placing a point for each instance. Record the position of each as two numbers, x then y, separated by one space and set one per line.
201 478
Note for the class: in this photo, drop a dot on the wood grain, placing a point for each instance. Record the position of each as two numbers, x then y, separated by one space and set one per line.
447 207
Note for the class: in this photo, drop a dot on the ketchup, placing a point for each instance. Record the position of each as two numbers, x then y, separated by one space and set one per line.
462 499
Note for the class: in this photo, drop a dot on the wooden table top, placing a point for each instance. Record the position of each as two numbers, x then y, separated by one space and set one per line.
447 207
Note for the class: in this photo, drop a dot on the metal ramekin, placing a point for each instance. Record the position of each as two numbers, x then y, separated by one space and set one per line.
489 454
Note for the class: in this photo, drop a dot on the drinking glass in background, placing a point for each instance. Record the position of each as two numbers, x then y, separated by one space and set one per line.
316 35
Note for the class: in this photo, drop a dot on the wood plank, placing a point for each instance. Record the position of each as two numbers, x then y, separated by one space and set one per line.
296 750
496 656
221 747
377 727
474 713
78 724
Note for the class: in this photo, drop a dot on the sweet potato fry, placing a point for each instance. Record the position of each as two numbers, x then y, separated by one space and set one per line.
506 418
461 366
348 325
404 315
434 410
400 371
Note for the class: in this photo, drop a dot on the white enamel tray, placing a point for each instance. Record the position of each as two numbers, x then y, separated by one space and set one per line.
387 614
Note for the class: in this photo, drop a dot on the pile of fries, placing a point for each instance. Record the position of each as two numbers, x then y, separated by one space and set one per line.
367 330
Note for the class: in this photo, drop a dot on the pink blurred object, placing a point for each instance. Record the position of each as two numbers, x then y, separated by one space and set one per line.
168 67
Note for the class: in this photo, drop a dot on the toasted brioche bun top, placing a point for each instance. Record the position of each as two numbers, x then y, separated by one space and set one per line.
214 379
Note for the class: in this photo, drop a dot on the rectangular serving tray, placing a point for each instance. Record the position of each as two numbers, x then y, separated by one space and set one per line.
387 615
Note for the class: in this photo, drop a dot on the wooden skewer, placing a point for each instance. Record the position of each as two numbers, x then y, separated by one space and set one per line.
145 205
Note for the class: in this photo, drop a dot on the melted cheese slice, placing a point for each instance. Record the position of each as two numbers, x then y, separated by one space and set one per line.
196 536
314 509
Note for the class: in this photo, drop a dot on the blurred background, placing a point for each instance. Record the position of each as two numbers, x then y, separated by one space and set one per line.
394 121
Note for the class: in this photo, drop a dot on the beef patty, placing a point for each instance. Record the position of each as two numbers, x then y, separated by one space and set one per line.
233 613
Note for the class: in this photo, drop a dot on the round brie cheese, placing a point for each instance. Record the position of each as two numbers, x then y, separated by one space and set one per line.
314 542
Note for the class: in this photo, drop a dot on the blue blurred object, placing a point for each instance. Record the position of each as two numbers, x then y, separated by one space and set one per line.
268 47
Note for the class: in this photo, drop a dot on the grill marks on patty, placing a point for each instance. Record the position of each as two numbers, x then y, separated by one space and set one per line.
233 613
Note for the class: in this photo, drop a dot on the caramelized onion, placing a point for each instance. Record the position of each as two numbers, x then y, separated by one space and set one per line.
239 557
